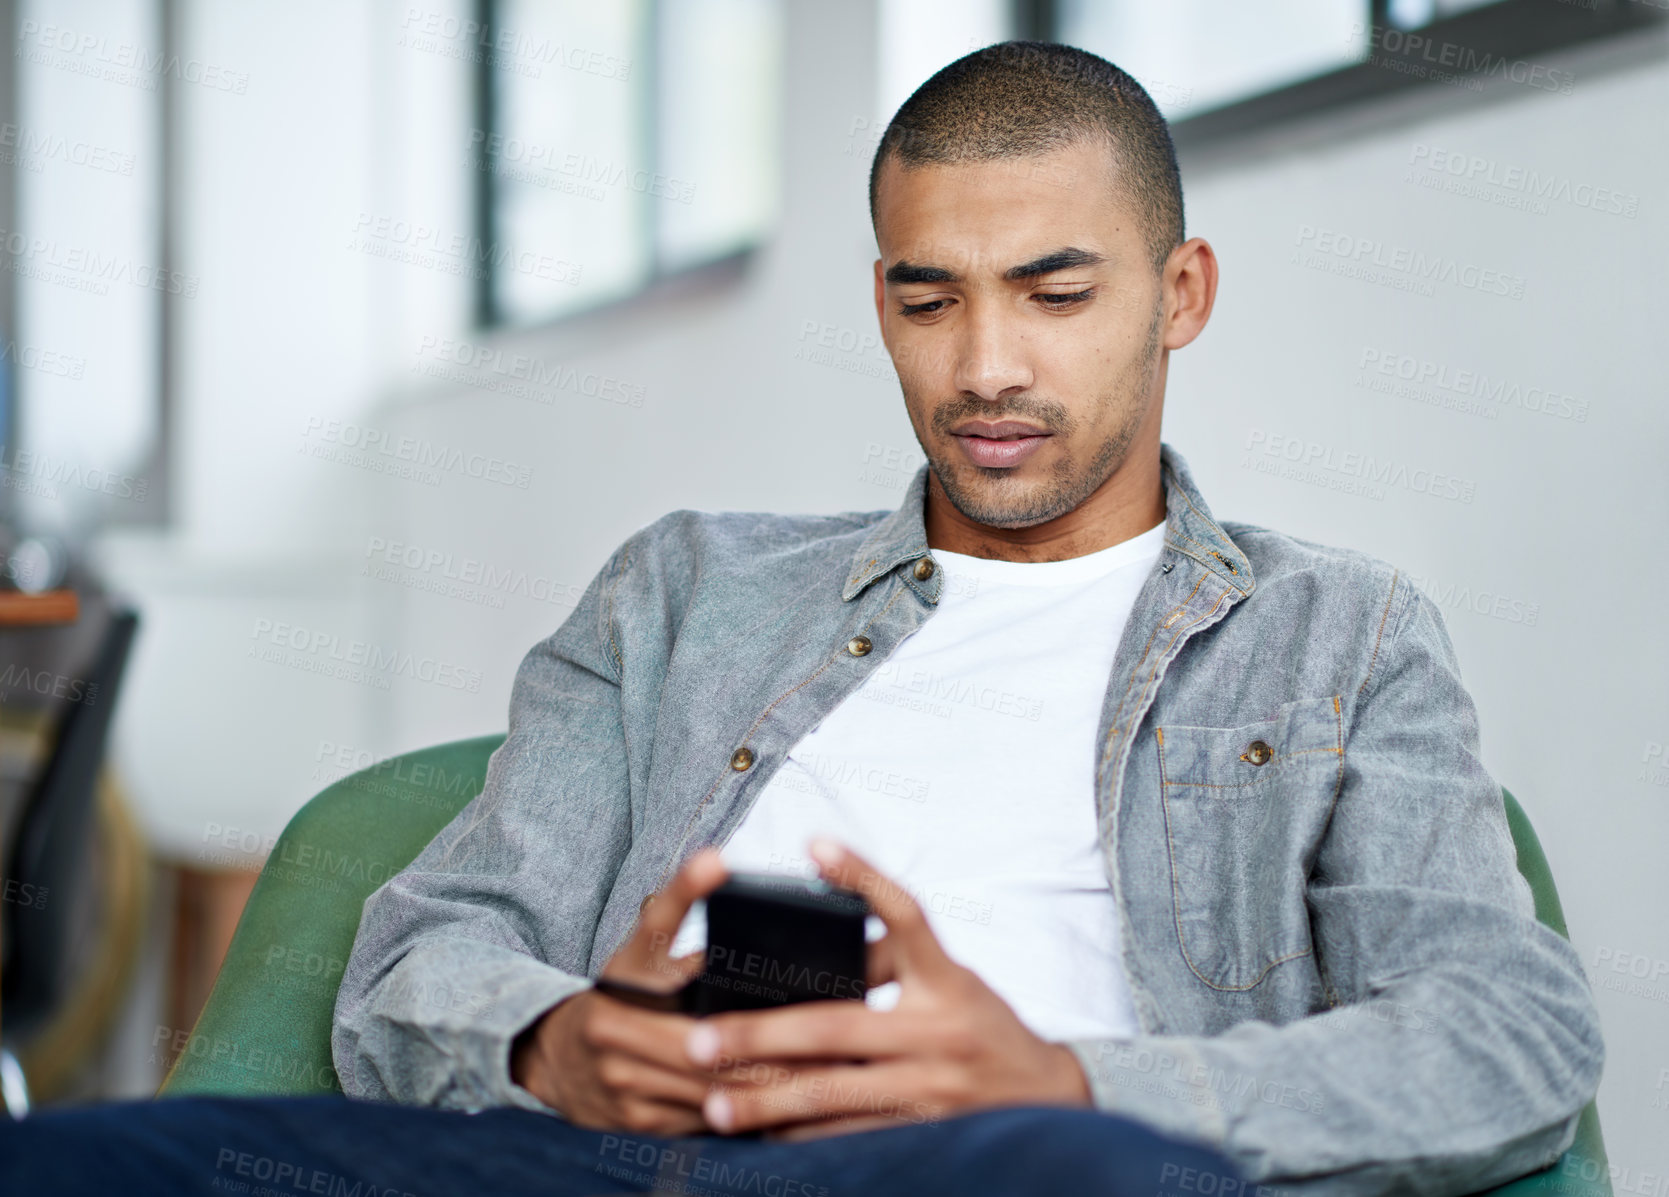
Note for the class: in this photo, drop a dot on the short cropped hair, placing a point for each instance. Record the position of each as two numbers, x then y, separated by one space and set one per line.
1018 99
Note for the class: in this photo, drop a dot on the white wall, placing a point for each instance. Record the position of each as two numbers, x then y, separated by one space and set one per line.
743 408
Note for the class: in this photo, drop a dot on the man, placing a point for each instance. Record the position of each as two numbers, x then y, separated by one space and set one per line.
1177 819
1208 797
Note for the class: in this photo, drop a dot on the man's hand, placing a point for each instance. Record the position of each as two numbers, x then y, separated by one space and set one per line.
950 1045
609 1066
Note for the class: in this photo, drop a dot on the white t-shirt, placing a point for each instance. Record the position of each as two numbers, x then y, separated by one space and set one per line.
964 769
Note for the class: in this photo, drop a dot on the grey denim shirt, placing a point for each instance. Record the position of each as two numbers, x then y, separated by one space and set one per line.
1336 967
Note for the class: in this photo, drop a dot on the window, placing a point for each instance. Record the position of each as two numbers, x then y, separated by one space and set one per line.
918 37
1218 68
84 149
1195 55
622 143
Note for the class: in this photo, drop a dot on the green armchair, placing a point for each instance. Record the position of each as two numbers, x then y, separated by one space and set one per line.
265 1029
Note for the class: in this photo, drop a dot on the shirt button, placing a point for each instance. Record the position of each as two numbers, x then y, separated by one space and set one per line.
741 760
644 905
1257 752
859 645
924 569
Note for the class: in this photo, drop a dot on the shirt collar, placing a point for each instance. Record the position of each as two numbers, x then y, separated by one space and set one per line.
901 537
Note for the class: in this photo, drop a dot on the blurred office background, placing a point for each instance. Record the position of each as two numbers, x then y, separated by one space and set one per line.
343 342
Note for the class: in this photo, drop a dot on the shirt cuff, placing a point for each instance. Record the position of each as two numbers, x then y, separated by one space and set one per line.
1153 1080
524 998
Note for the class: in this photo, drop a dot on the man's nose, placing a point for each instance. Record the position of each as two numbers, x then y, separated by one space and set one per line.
992 358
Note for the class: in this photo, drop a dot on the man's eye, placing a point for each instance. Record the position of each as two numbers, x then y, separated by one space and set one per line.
917 309
1067 300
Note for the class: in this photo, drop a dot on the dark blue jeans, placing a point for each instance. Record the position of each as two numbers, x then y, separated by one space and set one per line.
292 1146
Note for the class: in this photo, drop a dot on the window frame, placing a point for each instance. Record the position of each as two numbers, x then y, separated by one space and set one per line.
1512 29
156 463
661 281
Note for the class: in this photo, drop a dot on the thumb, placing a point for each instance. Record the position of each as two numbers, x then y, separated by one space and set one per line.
910 945
663 913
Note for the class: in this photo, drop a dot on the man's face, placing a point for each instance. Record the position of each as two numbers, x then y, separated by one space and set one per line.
1023 317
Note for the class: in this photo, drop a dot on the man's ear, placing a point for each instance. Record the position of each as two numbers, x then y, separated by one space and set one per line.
880 299
1191 278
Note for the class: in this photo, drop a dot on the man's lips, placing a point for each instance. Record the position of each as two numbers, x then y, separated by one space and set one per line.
998 445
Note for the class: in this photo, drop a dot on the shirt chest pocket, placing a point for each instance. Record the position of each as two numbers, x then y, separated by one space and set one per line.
1244 807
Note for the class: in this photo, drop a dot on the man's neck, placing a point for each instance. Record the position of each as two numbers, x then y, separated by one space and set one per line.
1128 503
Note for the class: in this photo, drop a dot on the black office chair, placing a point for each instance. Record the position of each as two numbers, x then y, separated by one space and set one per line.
49 854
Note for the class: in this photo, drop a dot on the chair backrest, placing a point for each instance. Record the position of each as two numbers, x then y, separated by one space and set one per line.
50 845
266 1026
1583 1170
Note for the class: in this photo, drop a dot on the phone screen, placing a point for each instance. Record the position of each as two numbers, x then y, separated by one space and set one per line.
773 941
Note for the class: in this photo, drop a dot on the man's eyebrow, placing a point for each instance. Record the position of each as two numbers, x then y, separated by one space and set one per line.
905 272
1069 258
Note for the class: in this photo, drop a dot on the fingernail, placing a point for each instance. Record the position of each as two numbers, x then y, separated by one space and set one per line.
702 1044
718 1111
825 851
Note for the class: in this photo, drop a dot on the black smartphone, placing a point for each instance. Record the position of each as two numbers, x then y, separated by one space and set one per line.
771 941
